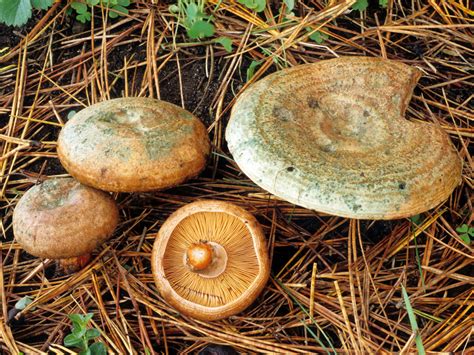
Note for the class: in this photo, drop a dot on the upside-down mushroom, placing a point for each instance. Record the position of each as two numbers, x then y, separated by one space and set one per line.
332 136
64 220
133 144
210 259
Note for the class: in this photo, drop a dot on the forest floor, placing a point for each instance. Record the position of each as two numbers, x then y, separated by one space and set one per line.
336 283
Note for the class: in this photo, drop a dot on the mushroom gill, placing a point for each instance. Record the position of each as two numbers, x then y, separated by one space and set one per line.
210 259
226 231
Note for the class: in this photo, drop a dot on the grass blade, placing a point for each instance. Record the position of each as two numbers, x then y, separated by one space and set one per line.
414 325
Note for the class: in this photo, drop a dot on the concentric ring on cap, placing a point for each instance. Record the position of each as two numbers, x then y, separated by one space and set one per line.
331 136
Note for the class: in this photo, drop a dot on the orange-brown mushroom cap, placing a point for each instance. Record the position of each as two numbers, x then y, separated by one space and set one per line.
133 144
241 260
62 218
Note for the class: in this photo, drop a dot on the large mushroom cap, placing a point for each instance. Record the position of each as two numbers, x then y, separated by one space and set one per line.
62 218
133 144
217 288
331 136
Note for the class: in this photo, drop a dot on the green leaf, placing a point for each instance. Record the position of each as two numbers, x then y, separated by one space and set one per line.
463 228
93 2
98 349
412 319
87 317
251 69
72 341
42 4
257 5
23 302
360 5
80 7
79 332
77 318
383 3
260 5
225 42
191 11
92 333
290 5
86 352
123 2
80 320
318 36
15 12
471 231
201 29
416 219
121 11
174 9
465 238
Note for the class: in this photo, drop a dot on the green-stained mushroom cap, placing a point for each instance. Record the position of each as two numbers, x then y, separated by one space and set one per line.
64 220
331 136
133 144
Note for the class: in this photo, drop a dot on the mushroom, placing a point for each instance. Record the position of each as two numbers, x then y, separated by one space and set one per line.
64 220
331 136
133 144
210 259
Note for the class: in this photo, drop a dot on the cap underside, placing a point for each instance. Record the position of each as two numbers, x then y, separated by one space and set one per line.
242 262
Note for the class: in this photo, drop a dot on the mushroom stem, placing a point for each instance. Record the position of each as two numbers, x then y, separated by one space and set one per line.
208 259
69 266
199 256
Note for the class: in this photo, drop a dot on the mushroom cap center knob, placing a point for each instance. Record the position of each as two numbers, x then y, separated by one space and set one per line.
208 259
199 256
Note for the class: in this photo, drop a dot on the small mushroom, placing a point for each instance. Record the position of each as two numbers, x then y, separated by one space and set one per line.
64 220
133 144
210 260
332 136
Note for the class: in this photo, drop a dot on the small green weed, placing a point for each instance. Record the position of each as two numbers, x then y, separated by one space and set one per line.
251 69
305 311
191 14
81 335
20 305
318 36
290 5
23 302
414 325
225 42
361 5
417 221
18 12
256 5
82 8
465 233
